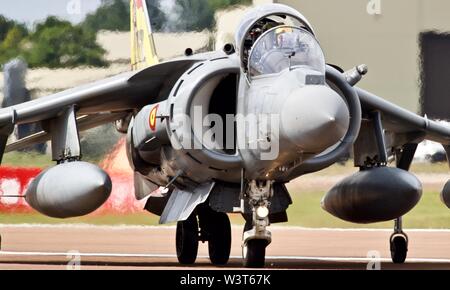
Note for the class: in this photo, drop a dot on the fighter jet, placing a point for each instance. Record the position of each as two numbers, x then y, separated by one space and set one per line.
223 132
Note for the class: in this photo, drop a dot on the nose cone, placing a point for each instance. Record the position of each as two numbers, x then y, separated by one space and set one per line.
315 118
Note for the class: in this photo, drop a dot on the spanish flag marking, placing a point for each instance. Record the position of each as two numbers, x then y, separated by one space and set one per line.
153 118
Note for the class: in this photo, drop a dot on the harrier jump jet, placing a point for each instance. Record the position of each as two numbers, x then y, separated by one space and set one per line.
225 131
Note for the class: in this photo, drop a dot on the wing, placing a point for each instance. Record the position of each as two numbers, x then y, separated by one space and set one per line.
401 122
388 130
97 103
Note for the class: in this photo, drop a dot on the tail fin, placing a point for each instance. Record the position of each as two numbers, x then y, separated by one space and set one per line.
143 50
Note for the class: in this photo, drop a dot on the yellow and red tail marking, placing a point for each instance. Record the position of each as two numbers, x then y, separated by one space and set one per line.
143 50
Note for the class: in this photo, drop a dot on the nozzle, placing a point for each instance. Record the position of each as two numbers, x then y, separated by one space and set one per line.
356 74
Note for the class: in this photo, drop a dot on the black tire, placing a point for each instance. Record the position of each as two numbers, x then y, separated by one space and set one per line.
219 239
255 254
187 241
399 249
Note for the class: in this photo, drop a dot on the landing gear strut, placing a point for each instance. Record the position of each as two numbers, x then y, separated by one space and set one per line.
399 243
256 237
399 240
204 225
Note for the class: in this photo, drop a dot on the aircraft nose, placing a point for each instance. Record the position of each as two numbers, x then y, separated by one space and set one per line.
315 118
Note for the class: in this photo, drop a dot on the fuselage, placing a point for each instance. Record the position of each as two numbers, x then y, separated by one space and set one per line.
269 125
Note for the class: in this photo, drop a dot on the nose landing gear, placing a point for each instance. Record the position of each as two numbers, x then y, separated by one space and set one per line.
256 237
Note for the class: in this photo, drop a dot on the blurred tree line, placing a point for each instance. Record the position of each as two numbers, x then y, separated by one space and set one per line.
57 43
52 43
191 15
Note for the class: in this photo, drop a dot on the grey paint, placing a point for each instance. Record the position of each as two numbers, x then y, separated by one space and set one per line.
323 161
142 186
127 91
402 121
365 146
69 190
302 108
84 123
303 121
182 203
179 82
183 97
65 139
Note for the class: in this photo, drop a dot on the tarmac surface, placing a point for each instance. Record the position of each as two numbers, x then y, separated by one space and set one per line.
145 248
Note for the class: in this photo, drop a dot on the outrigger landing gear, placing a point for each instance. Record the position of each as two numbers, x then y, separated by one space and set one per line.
399 243
204 225
256 237
399 240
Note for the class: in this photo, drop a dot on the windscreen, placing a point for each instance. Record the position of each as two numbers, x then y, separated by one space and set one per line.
285 47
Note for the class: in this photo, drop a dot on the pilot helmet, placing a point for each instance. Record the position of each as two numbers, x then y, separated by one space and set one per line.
284 37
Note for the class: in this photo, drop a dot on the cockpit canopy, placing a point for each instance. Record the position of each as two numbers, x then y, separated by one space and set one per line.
262 19
285 47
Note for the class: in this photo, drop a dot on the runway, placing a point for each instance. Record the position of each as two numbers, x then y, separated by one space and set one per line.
146 248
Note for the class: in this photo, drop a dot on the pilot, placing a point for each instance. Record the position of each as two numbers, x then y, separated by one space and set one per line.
286 38
280 49
255 33
274 49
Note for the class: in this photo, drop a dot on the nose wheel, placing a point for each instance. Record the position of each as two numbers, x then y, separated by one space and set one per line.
254 253
399 244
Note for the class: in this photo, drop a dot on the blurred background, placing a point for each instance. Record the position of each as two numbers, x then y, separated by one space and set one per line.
47 46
